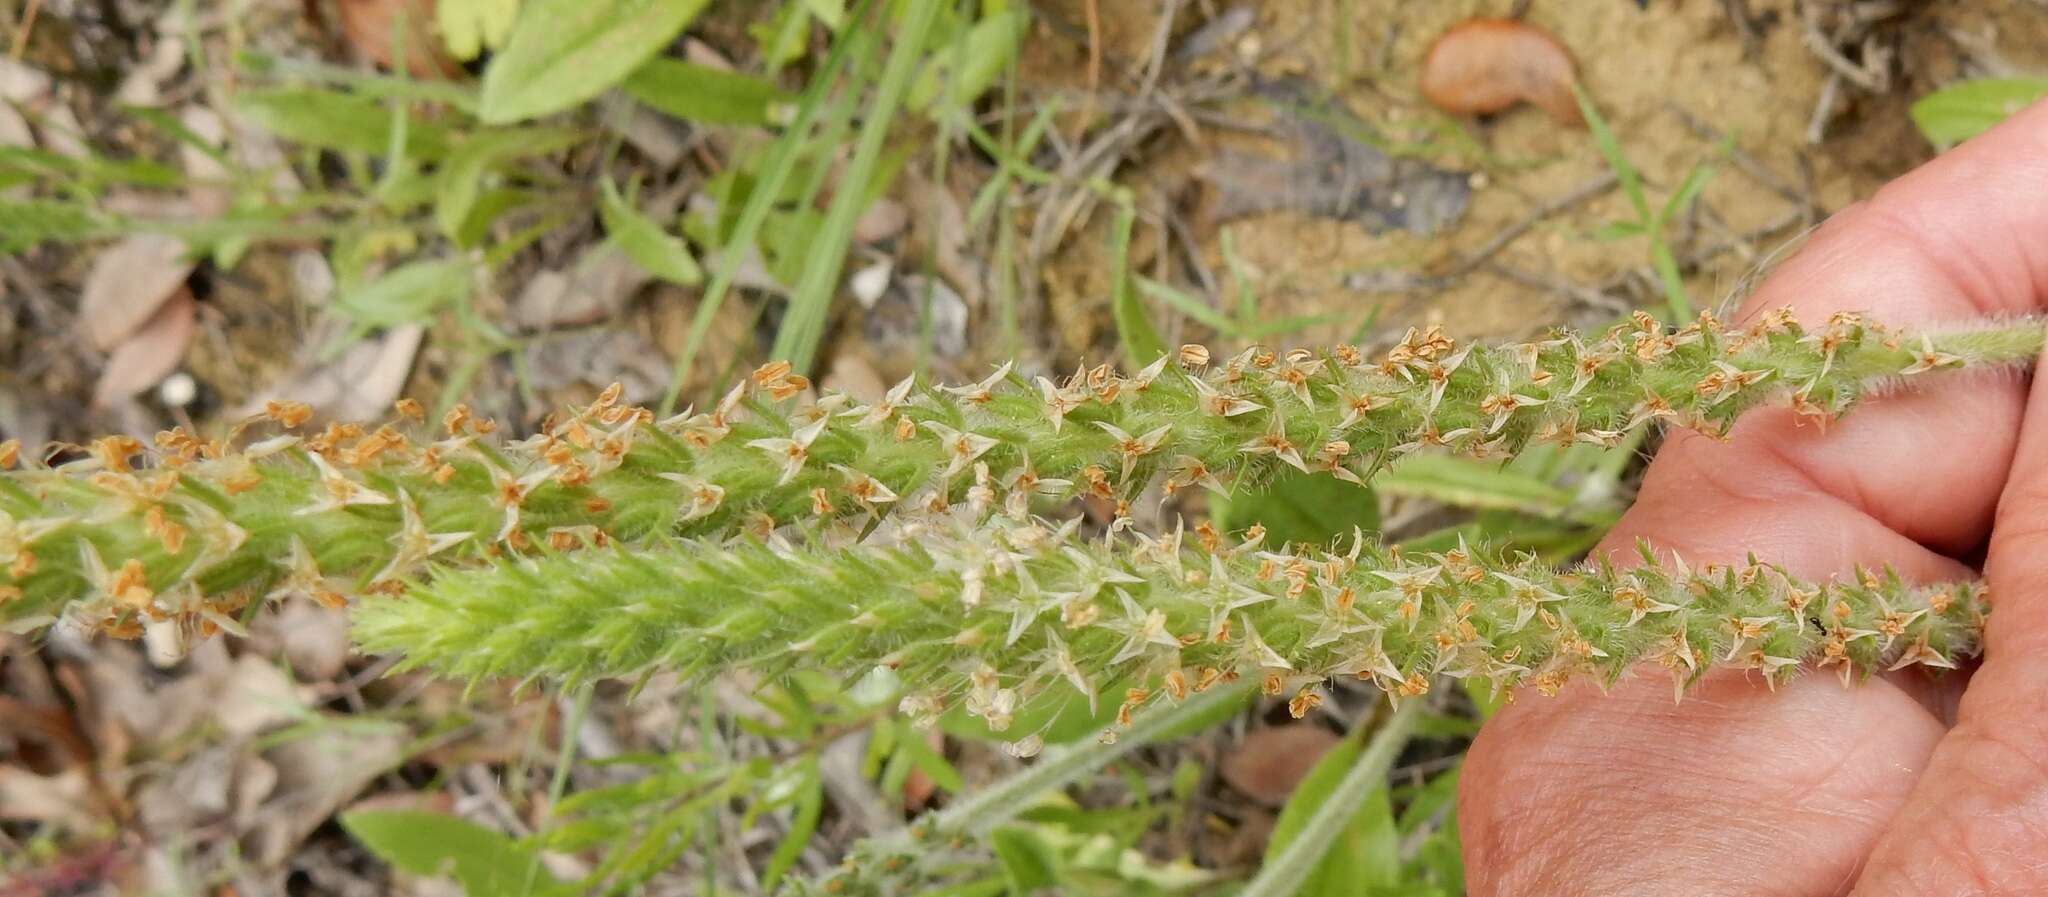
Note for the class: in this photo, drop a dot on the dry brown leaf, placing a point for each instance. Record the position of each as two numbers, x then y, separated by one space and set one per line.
594 289
1482 66
312 638
884 219
63 801
128 282
1268 762
918 788
150 353
370 26
360 385
316 775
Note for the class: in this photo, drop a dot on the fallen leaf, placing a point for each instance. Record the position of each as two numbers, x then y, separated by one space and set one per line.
1482 66
62 801
312 638
599 355
853 375
883 220
32 92
150 353
129 704
371 26
207 189
255 697
128 282
918 787
316 774
1268 762
359 385
1331 172
592 290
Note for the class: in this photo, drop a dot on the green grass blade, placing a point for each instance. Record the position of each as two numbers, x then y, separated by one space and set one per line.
781 164
797 340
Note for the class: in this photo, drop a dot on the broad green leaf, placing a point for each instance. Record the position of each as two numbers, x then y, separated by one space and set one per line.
484 861
644 240
931 764
1473 484
1303 508
830 12
469 26
706 95
460 180
1059 715
563 52
1142 342
1366 854
409 293
330 119
1961 111
1029 862
958 74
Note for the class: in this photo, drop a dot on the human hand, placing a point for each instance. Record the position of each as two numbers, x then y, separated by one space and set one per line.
1898 785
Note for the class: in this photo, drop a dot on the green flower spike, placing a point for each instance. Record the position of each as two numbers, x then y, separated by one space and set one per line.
996 615
176 539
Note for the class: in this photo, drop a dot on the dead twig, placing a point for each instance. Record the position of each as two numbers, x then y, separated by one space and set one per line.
1598 185
21 32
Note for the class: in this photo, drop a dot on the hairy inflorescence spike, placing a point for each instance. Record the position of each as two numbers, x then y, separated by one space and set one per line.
178 537
993 616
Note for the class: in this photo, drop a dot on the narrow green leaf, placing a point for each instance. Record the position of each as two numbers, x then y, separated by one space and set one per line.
1617 230
28 223
421 843
563 52
1473 484
1141 341
643 240
1610 149
1325 811
804 325
706 95
459 181
802 825
409 293
1188 305
329 119
1695 181
1961 111
775 173
368 84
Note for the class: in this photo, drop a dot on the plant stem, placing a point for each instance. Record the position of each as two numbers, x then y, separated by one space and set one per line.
884 864
1284 874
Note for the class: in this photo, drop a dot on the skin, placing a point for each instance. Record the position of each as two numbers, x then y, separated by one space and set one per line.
1897 785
